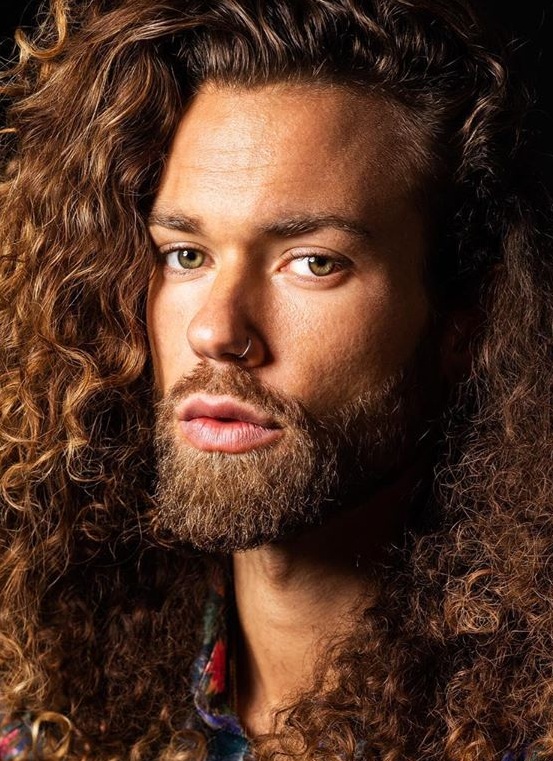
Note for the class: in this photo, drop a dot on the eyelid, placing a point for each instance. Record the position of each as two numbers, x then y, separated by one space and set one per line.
343 262
168 248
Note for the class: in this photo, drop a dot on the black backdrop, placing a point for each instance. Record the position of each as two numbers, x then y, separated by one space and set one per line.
14 13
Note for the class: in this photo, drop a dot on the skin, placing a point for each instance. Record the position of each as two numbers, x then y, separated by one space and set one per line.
243 163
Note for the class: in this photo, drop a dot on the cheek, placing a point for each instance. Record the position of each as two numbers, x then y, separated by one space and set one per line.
350 342
167 325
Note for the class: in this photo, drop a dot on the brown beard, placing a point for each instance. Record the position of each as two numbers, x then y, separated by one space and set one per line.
224 503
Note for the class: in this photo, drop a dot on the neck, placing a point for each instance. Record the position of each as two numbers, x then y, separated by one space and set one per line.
296 597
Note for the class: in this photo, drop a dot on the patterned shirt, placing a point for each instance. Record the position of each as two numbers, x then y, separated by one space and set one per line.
211 682
211 688
15 738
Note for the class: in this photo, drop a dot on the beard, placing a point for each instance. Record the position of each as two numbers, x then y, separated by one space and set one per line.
224 503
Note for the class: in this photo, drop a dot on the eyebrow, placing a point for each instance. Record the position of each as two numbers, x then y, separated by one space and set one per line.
287 227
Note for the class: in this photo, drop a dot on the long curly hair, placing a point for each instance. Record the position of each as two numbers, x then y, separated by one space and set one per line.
98 622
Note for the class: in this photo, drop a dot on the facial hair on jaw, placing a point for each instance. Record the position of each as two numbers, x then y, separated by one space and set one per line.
225 503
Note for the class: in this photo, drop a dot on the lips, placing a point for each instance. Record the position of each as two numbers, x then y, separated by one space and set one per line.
225 424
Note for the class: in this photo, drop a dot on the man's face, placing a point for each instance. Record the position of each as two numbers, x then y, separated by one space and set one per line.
286 224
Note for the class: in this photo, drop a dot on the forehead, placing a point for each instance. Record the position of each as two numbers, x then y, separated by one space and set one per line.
286 149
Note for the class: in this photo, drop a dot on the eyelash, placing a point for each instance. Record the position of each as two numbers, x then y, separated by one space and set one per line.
339 264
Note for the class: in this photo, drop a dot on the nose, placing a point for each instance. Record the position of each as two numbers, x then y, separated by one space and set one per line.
225 327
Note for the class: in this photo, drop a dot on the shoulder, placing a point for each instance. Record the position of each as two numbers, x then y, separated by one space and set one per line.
15 738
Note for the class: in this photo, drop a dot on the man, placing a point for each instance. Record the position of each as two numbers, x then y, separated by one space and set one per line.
310 237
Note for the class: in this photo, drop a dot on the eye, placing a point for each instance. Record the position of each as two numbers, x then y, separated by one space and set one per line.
316 264
184 258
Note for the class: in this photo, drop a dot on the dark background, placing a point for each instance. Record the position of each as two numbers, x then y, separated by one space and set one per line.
14 13
529 23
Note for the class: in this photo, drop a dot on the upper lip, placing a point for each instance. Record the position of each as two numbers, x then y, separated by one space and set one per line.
223 407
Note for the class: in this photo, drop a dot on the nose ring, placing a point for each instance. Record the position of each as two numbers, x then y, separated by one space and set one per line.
246 350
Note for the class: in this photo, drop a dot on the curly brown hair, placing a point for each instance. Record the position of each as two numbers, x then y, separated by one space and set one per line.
98 622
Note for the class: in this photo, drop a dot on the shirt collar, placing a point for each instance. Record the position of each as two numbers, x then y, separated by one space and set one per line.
211 685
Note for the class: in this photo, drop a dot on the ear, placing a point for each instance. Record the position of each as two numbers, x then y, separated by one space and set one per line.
459 328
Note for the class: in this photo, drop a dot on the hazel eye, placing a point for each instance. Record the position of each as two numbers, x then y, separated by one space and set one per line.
184 259
316 264
321 265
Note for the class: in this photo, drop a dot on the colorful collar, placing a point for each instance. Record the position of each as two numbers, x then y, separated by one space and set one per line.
211 683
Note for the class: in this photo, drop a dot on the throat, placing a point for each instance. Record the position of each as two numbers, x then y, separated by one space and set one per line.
299 600
284 629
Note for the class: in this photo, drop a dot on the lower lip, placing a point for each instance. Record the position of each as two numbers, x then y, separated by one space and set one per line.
234 437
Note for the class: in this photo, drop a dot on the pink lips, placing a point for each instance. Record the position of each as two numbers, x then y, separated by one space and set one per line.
224 424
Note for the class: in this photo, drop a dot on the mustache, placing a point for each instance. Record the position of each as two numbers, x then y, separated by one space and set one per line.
238 382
